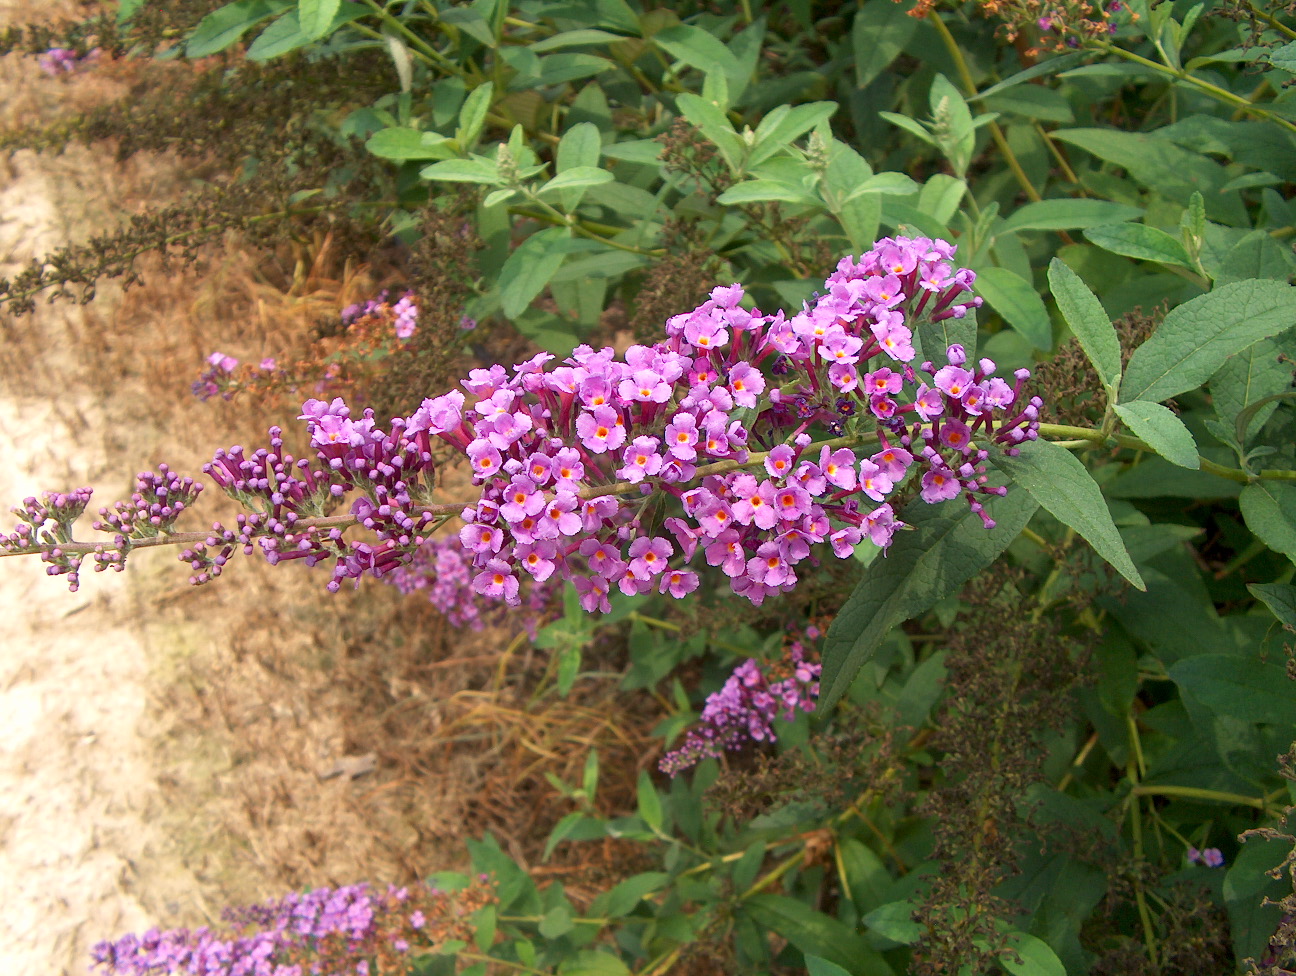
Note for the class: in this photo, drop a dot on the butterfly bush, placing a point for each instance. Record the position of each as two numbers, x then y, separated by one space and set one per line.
353 929
632 473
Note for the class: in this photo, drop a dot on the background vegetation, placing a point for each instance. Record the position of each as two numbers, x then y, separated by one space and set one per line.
1039 749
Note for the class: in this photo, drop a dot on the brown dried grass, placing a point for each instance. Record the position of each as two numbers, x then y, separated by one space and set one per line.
263 680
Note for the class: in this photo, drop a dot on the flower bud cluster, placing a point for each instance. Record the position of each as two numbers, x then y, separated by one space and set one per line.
160 498
351 929
744 710
47 522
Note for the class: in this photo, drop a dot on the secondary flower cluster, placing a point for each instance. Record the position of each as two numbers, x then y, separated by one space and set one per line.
368 325
59 61
352 929
443 572
401 315
744 710
1211 857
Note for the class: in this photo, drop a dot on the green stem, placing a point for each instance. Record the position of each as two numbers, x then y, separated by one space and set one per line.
418 43
1065 432
1215 91
1197 793
970 90
1271 20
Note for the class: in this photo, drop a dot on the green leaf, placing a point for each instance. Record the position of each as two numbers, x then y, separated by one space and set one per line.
1163 167
1252 895
895 921
712 122
784 124
936 337
858 217
398 142
1016 300
1197 337
626 895
1066 215
529 268
1140 242
558 69
814 933
1238 687
1284 57
1063 487
878 35
282 36
585 37
866 879
223 27
1028 956
1269 508
1280 598
698 49
650 807
577 177
286 35
1162 431
473 115
1088 320
818 966
569 662
1247 377
1033 102
475 170
1048 67
316 16
557 922
945 547
757 191
593 962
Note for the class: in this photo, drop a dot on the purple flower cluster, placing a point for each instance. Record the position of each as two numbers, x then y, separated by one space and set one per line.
326 931
1211 857
47 522
403 313
744 710
216 379
63 61
441 569
628 472
560 454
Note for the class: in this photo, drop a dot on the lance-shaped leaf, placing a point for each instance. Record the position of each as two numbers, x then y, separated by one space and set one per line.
1015 298
316 16
945 546
1061 485
1197 337
1141 242
1239 687
1278 597
1088 320
1162 431
1269 508
529 268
